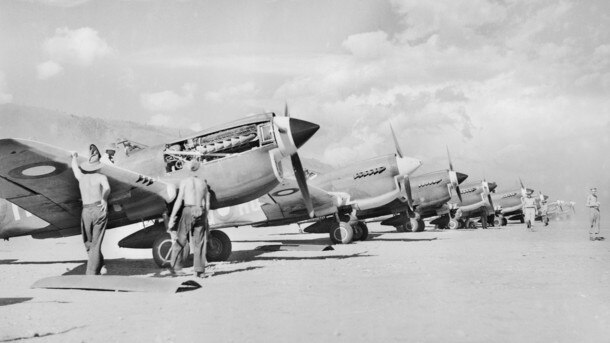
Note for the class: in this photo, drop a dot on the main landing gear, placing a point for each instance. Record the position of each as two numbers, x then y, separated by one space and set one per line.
344 233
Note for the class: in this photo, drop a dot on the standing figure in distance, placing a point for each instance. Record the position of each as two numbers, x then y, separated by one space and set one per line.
529 209
196 197
594 215
94 191
544 211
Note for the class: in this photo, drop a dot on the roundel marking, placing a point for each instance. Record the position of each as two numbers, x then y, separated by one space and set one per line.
285 192
38 170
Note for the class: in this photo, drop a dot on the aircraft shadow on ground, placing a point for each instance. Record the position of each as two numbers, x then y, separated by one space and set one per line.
120 266
12 301
14 261
255 255
406 239
315 241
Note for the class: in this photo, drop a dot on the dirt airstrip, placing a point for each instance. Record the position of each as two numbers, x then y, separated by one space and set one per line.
495 285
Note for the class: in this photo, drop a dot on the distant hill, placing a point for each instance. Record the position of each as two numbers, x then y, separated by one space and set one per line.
74 132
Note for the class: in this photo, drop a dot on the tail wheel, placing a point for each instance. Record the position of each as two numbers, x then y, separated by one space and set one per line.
341 233
219 246
453 224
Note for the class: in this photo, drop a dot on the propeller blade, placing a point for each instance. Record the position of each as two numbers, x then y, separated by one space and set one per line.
459 193
449 158
398 150
299 173
286 113
406 185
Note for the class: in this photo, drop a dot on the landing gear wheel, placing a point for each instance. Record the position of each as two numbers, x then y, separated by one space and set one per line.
497 222
357 232
401 228
417 225
504 221
472 224
219 246
453 224
414 224
361 226
341 233
162 250
522 220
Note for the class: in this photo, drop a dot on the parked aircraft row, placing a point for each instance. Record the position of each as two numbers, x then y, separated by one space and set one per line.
242 163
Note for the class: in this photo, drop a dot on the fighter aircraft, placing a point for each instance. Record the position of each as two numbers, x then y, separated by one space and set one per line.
241 161
476 202
380 182
508 205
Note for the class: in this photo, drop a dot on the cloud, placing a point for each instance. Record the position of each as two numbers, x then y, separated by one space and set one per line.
79 47
60 3
5 97
48 69
167 101
230 93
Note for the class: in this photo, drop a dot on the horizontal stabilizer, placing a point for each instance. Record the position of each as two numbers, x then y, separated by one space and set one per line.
295 247
117 283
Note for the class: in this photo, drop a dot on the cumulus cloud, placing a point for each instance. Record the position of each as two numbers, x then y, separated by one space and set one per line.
231 93
48 69
79 47
167 101
5 97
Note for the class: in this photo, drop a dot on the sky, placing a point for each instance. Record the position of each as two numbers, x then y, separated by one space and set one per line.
514 88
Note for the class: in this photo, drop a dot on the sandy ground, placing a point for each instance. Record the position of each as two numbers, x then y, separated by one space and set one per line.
496 285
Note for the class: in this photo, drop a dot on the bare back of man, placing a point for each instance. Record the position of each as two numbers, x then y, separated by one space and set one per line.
92 187
194 191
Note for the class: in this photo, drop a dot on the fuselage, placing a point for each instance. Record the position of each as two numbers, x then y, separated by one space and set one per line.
474 199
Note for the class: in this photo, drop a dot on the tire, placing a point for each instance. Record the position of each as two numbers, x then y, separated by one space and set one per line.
219 246
453 224
357 231
419 227
364 229
497 222
472 224
341 233
161 250
401 228
522 220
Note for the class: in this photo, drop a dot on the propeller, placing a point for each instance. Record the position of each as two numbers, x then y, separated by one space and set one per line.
405 184
406 165
523 189
286 113
398 150
291 134
299 173
453 177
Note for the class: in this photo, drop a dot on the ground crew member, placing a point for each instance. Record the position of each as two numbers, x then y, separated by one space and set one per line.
94 190
544 210
594 215
529 209
196 196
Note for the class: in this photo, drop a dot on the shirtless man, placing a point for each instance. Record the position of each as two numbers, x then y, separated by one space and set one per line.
94 190
194 192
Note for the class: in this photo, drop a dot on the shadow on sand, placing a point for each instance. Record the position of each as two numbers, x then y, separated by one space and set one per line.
12 301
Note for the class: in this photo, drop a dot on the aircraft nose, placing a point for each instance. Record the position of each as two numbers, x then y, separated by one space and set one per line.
301 131
407 165
461 177
492 186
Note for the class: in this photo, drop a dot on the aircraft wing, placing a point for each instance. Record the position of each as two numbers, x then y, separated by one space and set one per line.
38 178
285 202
